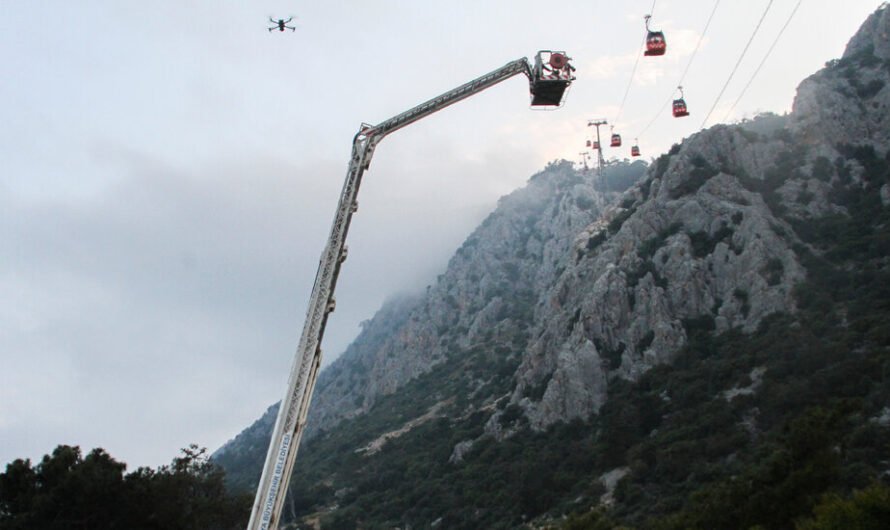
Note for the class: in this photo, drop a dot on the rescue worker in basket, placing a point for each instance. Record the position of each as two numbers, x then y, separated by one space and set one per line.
558 67
550 77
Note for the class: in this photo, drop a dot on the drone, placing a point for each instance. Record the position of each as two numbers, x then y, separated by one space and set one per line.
281 24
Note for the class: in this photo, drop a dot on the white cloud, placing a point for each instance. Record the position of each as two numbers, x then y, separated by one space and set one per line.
608 67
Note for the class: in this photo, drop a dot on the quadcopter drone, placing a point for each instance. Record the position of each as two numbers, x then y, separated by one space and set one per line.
281 24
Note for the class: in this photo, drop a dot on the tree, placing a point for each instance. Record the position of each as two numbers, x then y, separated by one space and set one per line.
66 491
868 509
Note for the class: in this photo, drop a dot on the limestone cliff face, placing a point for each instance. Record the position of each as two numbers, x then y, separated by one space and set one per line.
486 295
344 386
702 241
847 102
691 246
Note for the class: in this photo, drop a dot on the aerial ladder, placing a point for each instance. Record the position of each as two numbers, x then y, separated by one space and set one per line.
549 78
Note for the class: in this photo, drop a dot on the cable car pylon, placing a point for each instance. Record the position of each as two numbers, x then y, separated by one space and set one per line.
600 161
585 156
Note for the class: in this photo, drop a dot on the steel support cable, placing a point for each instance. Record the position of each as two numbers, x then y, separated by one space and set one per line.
736 67
686 71
765 57
633 72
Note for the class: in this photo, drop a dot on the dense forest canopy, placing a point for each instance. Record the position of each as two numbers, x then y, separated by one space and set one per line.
69 491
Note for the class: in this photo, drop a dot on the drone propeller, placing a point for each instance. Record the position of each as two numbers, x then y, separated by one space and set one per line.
281 24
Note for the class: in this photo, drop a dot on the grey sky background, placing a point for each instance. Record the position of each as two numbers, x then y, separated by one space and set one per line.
169 170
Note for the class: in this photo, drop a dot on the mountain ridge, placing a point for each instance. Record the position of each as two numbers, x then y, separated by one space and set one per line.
583 347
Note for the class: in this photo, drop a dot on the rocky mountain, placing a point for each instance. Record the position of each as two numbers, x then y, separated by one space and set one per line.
488 293
487 296
709 348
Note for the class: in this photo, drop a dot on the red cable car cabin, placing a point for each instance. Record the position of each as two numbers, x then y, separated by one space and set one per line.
680 105
588 143
655 43
616 140
596 144
635 150
680 108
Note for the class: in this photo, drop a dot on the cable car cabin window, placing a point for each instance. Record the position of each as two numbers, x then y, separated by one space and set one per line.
634 151
616 140
680 108
655 43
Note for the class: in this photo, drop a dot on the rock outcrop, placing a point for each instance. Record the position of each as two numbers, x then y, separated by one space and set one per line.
848 101
487 294
693 245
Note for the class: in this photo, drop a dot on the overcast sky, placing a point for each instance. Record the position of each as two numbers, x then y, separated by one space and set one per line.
169 171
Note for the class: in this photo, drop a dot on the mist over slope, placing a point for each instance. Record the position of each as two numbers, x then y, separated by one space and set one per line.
487 297
708 349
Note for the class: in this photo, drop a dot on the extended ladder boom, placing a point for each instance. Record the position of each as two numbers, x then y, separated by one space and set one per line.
294 407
